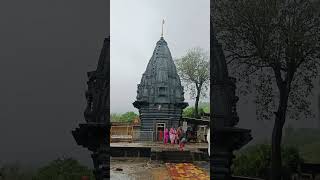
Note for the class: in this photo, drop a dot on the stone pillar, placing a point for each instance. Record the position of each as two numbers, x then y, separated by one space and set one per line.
225 137
319 111
95 137
95 133
101 162
221 161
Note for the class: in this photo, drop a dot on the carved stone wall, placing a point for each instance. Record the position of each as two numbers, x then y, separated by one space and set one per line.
160 94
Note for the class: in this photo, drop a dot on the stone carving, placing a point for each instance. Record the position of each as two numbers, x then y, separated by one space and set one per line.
160 86
94 134
98 91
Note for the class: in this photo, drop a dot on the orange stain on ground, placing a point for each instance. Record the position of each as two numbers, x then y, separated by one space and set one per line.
186 171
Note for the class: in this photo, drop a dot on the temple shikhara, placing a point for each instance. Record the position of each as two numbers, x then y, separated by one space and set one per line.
160 95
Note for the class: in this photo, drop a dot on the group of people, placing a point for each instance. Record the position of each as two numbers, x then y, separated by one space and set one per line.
178 136
175 136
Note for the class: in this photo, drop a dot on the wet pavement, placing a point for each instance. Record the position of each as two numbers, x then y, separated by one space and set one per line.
138 169
145 169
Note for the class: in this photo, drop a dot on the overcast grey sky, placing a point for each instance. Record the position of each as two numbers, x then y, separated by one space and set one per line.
46 49
135 27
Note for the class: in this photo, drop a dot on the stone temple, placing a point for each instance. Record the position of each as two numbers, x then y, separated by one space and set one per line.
160 96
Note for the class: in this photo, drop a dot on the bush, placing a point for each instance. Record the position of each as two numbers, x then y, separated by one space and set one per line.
189 112
15 171
63 169
306 140
254 161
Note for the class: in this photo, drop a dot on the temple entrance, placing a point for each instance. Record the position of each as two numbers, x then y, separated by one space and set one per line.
160 131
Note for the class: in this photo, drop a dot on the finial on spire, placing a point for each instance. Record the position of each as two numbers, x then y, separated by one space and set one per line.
162 27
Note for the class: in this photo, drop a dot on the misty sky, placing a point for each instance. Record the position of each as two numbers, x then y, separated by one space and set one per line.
135 29
46 48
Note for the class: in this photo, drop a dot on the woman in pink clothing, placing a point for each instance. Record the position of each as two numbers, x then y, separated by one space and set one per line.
172 135
166 135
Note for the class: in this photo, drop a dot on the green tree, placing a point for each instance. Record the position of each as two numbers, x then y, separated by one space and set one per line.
126 117
205 106
190 112
63 169
115 117
193 69
273 47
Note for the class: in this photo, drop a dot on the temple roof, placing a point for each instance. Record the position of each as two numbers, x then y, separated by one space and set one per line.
160 83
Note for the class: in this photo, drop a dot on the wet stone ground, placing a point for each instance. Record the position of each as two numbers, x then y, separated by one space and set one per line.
143 169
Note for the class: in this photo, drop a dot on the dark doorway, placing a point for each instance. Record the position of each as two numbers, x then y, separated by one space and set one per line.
160 131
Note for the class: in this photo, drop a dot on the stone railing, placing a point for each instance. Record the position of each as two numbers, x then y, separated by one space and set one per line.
143 135
132 136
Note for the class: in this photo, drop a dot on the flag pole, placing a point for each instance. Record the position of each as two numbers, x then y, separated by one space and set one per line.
162 28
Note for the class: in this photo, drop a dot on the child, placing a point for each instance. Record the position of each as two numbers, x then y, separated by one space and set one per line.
182 143
178 135
166 135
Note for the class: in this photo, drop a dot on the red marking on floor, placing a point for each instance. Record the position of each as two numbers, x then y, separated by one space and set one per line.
186 171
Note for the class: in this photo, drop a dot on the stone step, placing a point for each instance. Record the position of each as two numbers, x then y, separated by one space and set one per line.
177 156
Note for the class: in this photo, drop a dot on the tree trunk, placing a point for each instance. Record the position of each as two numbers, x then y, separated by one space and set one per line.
196 105
276 165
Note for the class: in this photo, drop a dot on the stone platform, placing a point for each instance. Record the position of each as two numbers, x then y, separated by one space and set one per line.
159 151
188 146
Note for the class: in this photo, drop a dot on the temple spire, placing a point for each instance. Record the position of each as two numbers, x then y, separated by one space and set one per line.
162 28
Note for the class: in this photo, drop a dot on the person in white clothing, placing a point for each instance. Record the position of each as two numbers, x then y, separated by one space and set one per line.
208 139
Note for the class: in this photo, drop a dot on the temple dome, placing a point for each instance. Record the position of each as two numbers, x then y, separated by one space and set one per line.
160 83
160 97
